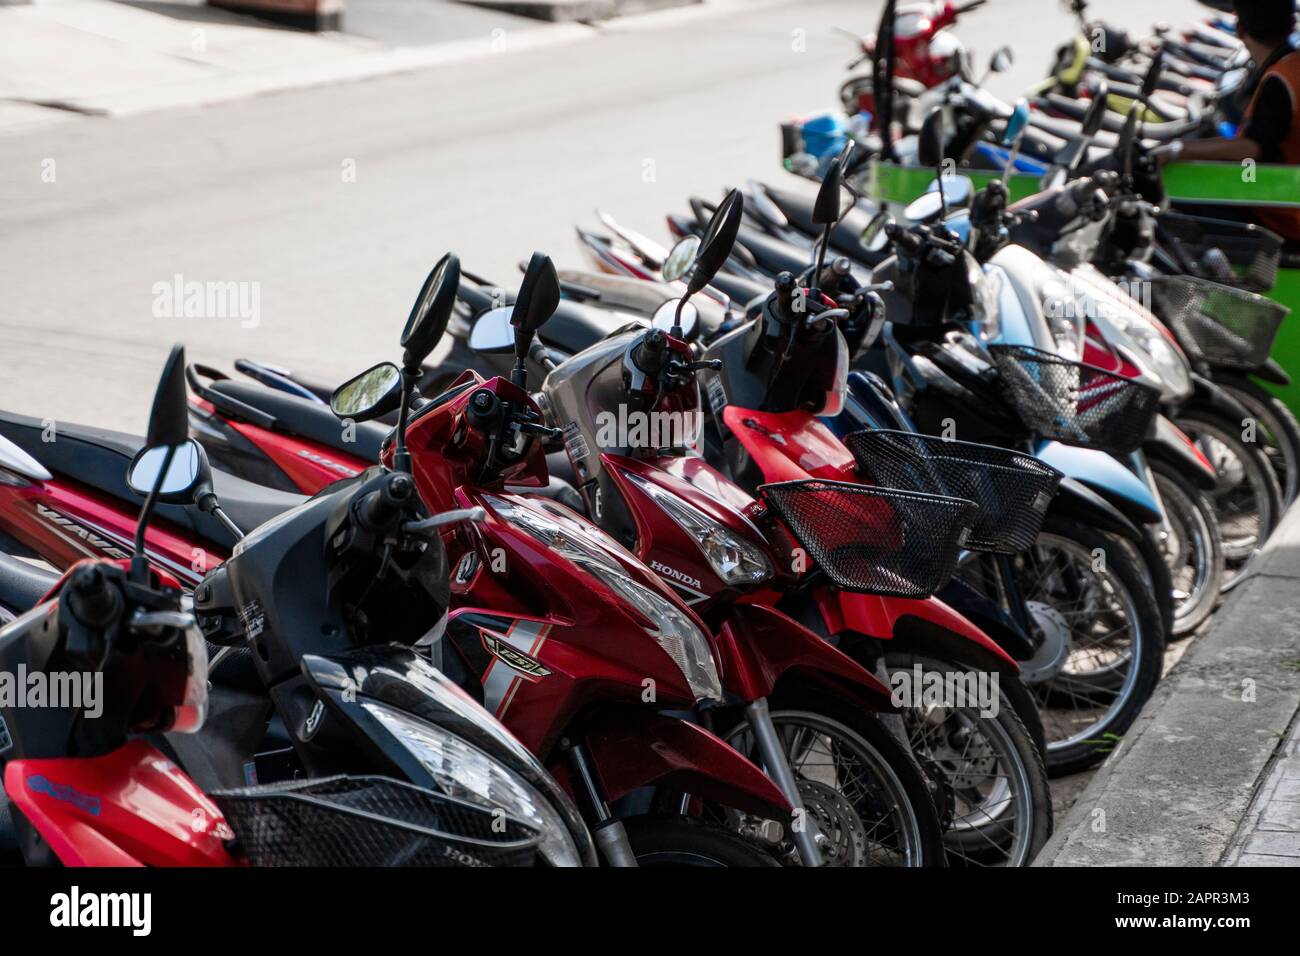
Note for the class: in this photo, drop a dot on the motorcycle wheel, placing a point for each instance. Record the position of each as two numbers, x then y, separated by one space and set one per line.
868 796
1192 548
998 807
1249 503
1280 438
681 841
1093 590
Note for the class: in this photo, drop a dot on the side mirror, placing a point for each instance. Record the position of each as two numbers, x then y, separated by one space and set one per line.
1002 60
539 295
1128 139
1153 74
431 312
493 332
1096 113
874 237
666 317
169 417
188 472
719 237
373 393
929 142
681 259
826 209
925 207
1016 123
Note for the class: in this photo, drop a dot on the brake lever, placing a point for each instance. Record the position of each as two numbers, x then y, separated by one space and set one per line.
155 620
445 518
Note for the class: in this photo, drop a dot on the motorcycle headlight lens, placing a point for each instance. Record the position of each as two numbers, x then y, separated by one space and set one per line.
463 771
672 629
735 560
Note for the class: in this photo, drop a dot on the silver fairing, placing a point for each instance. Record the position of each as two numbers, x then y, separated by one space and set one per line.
17 461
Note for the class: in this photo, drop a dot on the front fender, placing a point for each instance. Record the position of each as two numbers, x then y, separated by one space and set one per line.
1218 400
759 646
928 624
1104 475
1171 446
1077 501
631 749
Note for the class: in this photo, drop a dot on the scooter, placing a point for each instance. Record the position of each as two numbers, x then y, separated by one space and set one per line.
130 804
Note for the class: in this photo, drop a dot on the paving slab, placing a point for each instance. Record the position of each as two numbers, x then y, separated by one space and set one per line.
1201 758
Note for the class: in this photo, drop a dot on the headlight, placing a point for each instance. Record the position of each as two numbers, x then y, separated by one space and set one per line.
1066 312
1126 314
463 771
590 549
735 560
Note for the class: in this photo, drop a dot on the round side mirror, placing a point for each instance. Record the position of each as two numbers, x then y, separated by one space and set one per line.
1002 60
874 237
681 259
375 392
432 310
187 471
924 208
665 317
492 331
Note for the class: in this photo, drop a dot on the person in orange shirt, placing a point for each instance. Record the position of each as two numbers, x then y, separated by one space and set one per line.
1270 130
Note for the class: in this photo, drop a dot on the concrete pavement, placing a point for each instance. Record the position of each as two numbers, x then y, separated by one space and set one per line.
1210 772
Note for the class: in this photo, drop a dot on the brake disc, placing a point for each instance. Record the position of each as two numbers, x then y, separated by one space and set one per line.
845 839
1053 651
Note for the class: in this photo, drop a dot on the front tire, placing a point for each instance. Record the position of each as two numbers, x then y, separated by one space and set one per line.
1280 440
681 841
1192 548
867 793
1097 591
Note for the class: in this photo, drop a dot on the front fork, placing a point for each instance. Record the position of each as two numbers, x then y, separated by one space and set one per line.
608 830
777 764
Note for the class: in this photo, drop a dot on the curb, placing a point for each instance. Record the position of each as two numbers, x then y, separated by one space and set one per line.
1185 776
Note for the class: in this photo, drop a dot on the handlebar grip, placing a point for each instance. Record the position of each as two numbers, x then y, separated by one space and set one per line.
383 507
93 601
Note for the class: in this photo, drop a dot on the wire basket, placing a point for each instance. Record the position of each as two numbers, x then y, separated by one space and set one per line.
1217 324
369 821
1252 252
1010 489
874 540
1076 403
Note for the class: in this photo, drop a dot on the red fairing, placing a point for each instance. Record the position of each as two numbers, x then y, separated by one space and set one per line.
633 750
65 522
308 465
132 807
795 446
760 645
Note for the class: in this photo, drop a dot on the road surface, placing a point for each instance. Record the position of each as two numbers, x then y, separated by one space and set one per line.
331 203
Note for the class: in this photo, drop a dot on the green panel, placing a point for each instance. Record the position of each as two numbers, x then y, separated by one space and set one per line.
1286 347
1228 182
901 184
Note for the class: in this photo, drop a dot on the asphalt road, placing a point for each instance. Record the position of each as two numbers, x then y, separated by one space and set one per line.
492 159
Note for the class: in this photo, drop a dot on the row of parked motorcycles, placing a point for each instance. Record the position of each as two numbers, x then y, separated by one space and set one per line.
823 537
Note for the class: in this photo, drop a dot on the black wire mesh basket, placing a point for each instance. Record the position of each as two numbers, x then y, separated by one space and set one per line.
1076 403
1237 253
1010 489
370 821
874 540
1218 324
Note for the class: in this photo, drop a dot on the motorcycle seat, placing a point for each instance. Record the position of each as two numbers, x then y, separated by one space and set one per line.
306 419
845 237
575 326
99 458
22 584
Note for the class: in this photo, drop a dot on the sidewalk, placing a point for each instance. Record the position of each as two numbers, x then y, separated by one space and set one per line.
60 58
1209 775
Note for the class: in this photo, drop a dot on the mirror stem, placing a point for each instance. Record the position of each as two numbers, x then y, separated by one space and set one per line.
139 561
677 331
401 456
821 255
